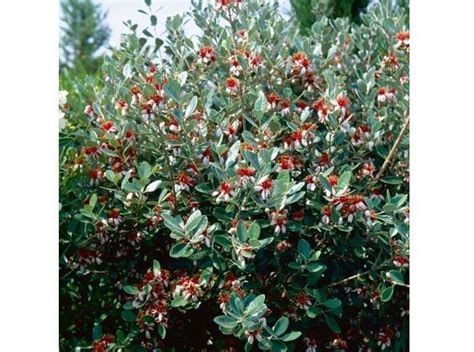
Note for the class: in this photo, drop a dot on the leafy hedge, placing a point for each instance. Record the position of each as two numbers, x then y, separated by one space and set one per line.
241 189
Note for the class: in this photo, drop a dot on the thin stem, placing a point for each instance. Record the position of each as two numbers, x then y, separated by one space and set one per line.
170 171
241 88
359 275
391 154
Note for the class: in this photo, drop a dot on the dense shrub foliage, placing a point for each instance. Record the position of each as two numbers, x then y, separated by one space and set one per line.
244 189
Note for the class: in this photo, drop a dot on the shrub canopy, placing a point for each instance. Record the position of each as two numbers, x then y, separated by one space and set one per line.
245 188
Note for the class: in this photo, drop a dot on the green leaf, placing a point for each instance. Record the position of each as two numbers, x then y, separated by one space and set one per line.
174 224
386 294
93 201
156 267
153 20
265 242
390 208
232 154
111 176
147 33
158 43
223 240
162 331
131 290
128 315
249 137
132 187
143 41
127 70
294 197
193 221
205 276
171 89
191 107
304 248
152 186
223 215
144 170
344 180
182 78
136 348
97 332
225 321
252 159
280 326
333 303
332 324
291 336
315 267
179 301
396 276
284 176
261 103
313 312
325 183
254 231
179 250
278 346
120 336
242 232
148 2
256 305
392 180
203 188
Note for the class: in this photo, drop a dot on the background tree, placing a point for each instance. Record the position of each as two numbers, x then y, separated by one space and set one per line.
83 34
308 11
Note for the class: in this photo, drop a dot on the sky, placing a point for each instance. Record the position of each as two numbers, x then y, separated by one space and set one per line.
121 10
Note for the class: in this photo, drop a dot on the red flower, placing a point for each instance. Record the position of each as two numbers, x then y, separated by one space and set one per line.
301 59
95 175
283 246
185 181
273 101
114 217
298 215
326 214
333 180
285 107
310 182
286 162
403 39
324 159
225 192
108 126
400 261
92 152
232 85
302 301
279 220
135 90
301 106
130 136
206 55
256 61
121 105
322 109
342 101
246 175
264 185
102 344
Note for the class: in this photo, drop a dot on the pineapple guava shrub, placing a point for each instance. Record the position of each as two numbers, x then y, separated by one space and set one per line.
240 189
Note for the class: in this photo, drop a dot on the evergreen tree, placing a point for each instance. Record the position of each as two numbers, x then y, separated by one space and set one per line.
83 34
